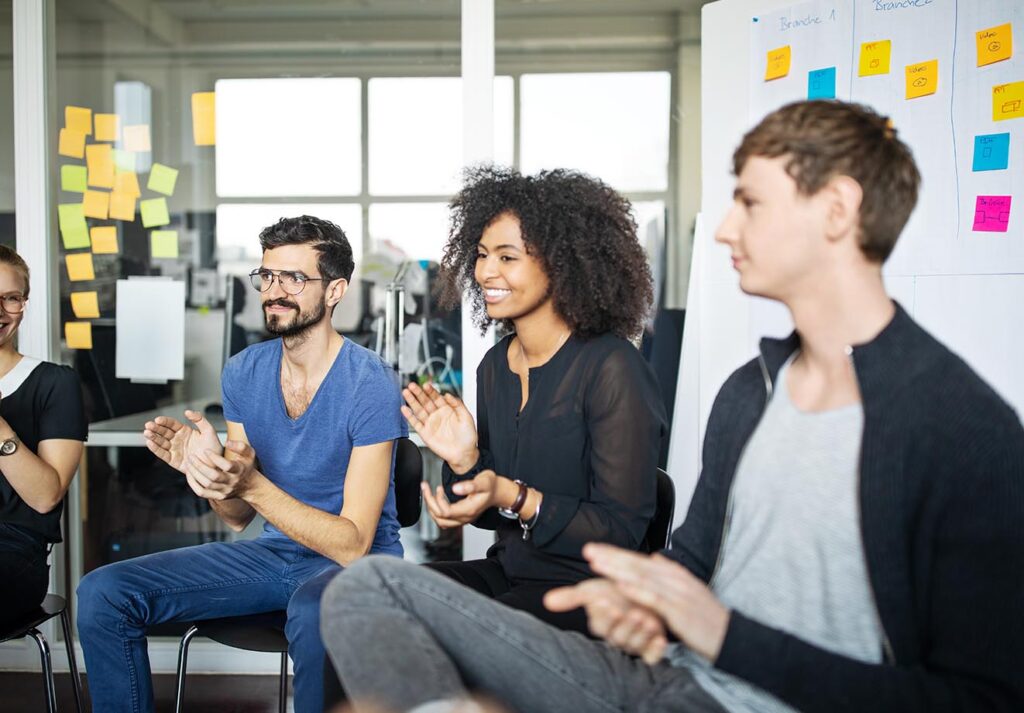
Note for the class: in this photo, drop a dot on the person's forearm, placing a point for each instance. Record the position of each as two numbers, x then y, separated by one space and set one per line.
235 512
33 479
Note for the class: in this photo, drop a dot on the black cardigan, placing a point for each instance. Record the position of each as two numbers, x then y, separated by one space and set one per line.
942 519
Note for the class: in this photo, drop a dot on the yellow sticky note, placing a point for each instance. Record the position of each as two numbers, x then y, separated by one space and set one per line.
162 179
78 118
96 204
994 44
154 212
71 143
122 206
108 127
73 178
100 162
922 78
1008 101
127 182
164 243
78 335
124 160
874 58
79 266
104 239
778 63
204 118
85 305
136 138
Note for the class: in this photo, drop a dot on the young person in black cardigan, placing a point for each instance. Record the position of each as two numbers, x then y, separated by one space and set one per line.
855 538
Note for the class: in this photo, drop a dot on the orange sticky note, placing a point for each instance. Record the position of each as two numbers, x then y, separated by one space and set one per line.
1008 101
204 118
79 266
78 118
108 127
922 78
122 206
127 182
874 58
994 44
104 239
136 138
100 162
71 143
96 204
85 305
778 63
78 335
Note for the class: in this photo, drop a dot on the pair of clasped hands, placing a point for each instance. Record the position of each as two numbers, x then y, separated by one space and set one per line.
636 600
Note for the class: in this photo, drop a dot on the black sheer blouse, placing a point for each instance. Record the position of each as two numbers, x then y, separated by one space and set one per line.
588 439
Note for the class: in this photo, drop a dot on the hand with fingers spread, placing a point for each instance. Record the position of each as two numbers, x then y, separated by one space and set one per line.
227 476
173 441
485 491
444 423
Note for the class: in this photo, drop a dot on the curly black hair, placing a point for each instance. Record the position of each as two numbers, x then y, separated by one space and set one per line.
580 229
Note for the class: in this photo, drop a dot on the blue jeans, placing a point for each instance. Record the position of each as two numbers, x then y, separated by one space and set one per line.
119 602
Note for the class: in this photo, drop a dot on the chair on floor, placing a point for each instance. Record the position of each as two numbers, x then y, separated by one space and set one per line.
265 632
658 531
28 625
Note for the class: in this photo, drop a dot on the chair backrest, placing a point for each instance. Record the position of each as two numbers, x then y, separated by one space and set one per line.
665 505
408 474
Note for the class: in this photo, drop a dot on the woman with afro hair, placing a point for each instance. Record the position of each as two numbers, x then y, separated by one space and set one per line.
570 420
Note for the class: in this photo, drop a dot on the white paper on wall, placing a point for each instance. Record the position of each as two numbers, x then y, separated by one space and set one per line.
150 329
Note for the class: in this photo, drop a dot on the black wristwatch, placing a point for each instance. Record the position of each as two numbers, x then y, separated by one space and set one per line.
9 446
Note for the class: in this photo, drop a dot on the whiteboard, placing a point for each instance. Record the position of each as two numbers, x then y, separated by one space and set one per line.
965 286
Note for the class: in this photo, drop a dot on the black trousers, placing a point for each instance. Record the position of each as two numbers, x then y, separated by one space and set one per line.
23 571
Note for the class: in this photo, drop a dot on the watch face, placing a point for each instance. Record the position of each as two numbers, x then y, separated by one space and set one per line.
8 447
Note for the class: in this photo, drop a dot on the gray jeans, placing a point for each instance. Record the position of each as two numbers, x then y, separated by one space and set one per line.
402 635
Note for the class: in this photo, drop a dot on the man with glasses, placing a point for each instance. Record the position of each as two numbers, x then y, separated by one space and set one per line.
311 423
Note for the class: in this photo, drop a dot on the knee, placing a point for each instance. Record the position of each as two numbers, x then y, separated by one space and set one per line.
365 581
304 604
99 594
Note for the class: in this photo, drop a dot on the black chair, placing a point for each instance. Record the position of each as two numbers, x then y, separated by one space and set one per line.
27 625
265 632
665 505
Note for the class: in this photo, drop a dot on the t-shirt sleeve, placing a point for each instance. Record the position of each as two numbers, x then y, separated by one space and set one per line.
63 411
230 389
376 410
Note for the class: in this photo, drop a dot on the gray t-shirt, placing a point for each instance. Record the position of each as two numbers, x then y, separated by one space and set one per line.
793 557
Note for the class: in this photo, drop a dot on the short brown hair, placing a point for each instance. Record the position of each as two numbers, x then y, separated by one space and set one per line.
9 257
823 139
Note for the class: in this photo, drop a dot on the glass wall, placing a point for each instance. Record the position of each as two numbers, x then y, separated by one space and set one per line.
6 129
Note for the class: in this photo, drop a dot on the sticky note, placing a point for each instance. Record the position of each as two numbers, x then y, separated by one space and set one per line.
108 127
994 44
124 160
71 143
1008 101
922 78
122 206
127 182
104 239
70 215
96 204
821 83
992 214
73 178
162 179
79 266
154 212
100 162
78 335
75 237
164 243
78 118
777 64
85 305
991 152
204 118
874 58
136 138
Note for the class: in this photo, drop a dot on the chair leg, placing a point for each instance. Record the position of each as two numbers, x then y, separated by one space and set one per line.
44 654
76 682
179 699
283 705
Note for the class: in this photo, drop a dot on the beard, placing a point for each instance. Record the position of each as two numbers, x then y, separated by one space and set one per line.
300 323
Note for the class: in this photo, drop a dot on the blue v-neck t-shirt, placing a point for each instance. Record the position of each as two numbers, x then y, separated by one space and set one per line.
357 404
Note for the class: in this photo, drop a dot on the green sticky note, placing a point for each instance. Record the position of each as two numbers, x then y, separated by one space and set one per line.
154 212
164 243
71 216
73 178
162 179
75 237
124 160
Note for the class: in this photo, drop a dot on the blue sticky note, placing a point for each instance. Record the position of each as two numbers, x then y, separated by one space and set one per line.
821 83
991 152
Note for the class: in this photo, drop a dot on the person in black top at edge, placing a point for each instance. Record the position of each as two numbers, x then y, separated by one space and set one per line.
42 427
569 418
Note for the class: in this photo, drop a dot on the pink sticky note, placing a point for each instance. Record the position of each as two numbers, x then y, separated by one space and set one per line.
992 214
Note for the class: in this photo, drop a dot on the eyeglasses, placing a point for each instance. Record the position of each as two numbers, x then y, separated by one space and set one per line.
13 303
291 282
